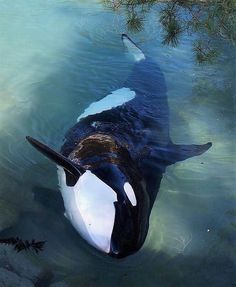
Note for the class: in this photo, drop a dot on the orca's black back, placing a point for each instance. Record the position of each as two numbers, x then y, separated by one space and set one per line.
150 103
143 121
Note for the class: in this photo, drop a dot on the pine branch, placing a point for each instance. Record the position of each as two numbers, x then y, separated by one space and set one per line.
26 245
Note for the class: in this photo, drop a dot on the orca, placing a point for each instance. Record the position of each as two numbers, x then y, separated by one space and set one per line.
113 159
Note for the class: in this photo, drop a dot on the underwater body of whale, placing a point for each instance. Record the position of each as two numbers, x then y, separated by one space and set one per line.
112 161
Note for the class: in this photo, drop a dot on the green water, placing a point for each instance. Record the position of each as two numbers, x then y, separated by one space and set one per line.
57 57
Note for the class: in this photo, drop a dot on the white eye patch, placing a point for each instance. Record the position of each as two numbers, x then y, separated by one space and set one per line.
130 193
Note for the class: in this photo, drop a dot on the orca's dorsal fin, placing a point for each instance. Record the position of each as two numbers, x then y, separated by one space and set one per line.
133 48
72 170
173 153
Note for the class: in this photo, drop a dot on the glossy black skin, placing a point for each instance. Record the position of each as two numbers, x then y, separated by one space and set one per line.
111 162
129 143
141 128
137 125
140 125
131 222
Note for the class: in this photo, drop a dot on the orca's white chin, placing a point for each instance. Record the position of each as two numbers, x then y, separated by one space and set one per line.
90 208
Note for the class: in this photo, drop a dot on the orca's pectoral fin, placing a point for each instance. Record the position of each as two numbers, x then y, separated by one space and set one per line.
182 152
172 153
73 171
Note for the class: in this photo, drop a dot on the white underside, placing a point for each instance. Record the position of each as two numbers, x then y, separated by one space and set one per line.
115 99
90 208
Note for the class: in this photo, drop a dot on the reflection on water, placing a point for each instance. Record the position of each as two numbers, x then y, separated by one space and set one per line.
207 21
56 58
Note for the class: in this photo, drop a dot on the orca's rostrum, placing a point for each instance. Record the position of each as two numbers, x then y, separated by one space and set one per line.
112 161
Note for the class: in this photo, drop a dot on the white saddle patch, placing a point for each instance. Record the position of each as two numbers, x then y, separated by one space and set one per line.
115 99
90 207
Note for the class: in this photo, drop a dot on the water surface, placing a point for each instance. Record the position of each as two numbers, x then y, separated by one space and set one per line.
57 57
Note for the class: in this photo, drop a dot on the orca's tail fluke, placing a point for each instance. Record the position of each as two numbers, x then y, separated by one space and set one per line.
133 48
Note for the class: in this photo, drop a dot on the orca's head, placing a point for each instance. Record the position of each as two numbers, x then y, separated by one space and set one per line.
106 203
129 208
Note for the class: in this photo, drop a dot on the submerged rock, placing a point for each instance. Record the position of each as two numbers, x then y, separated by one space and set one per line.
59 284
18 263
9 215
11 279
44 279
16 269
